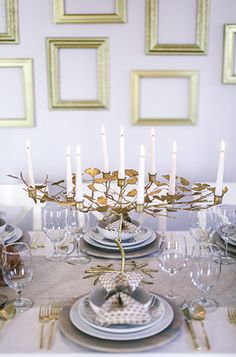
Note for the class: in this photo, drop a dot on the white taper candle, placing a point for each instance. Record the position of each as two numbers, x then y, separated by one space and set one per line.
105 151
121 173
69 185
141 176
79 184
173 171
220 170
29 164
153 153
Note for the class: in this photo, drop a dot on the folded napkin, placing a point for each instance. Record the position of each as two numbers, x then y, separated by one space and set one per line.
128 279
121 308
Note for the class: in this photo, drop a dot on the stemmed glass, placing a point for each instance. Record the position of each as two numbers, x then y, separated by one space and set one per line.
201 224
55 219
205 269
226 227
78 224
172 256
17 271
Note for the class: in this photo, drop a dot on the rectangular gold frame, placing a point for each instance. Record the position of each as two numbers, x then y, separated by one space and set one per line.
61 18
98 43
193 77
229 77
11 35
27 67
198 48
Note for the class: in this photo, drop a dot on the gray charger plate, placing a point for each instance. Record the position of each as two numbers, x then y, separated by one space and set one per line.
221 243
99 253
101 345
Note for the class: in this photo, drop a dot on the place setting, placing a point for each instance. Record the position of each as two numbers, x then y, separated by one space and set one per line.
121 310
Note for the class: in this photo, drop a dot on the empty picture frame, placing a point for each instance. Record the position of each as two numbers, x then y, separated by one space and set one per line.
192 78
11 15
60 16
229 67
102 49
26 65
153 47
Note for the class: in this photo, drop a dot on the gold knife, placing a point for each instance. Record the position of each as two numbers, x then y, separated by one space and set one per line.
188 320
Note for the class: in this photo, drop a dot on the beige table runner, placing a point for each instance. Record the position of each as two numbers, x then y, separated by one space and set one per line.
62 281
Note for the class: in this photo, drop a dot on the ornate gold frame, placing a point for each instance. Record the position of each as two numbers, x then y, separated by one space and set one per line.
11 35
229 42
193 77
154 48
61 18
27 67
102 47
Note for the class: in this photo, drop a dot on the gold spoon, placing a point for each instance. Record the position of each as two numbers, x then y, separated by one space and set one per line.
199 313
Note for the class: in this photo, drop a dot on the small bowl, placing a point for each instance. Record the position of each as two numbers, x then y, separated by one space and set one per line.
113 234
3 224
98 296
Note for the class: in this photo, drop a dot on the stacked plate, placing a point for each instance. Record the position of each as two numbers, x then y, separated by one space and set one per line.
78 323
11 234
220 240
141 238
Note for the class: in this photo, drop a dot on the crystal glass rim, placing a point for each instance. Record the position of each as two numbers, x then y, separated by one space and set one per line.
22 244
55 208
227 207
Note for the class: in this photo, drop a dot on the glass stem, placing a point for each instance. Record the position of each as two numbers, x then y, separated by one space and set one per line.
170 292
78 244
203 299
18 297
226 248
55 249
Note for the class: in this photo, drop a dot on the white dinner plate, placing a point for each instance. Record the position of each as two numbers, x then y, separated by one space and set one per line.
159 326
138 238
89 240
88 315
8 233
17 235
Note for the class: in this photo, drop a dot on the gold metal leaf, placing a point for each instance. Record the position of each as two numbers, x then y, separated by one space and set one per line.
100 180
184 181
132 193
132 180
183 189
92 187
131 172
102 200
167 177
92 172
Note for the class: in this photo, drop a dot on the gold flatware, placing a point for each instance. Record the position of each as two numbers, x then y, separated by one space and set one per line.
54 316
199 313
232 314
44 317
188 321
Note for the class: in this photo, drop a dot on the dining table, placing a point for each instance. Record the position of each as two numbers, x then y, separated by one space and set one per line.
63 283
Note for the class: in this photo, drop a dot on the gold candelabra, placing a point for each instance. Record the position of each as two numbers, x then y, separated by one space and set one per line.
106 193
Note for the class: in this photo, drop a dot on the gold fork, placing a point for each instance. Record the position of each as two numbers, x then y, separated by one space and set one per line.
232 314
54 316
44 317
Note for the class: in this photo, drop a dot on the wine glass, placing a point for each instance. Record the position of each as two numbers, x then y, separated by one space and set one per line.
55 219
201 224
205 269
78 224
226 227
17 271
172 256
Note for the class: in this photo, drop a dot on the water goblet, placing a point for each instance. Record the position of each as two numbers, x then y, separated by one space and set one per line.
172 256
205 269
78 224
17 271
226 227
201 224
55 219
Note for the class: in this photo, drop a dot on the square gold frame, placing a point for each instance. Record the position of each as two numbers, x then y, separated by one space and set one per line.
198 48
102 47
193 77
61 18
229 77
27 67
11 35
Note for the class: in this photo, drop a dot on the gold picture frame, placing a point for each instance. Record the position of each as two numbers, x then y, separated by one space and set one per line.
27 68
60 17
102 46
198 48
11 34
229 76
192 76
